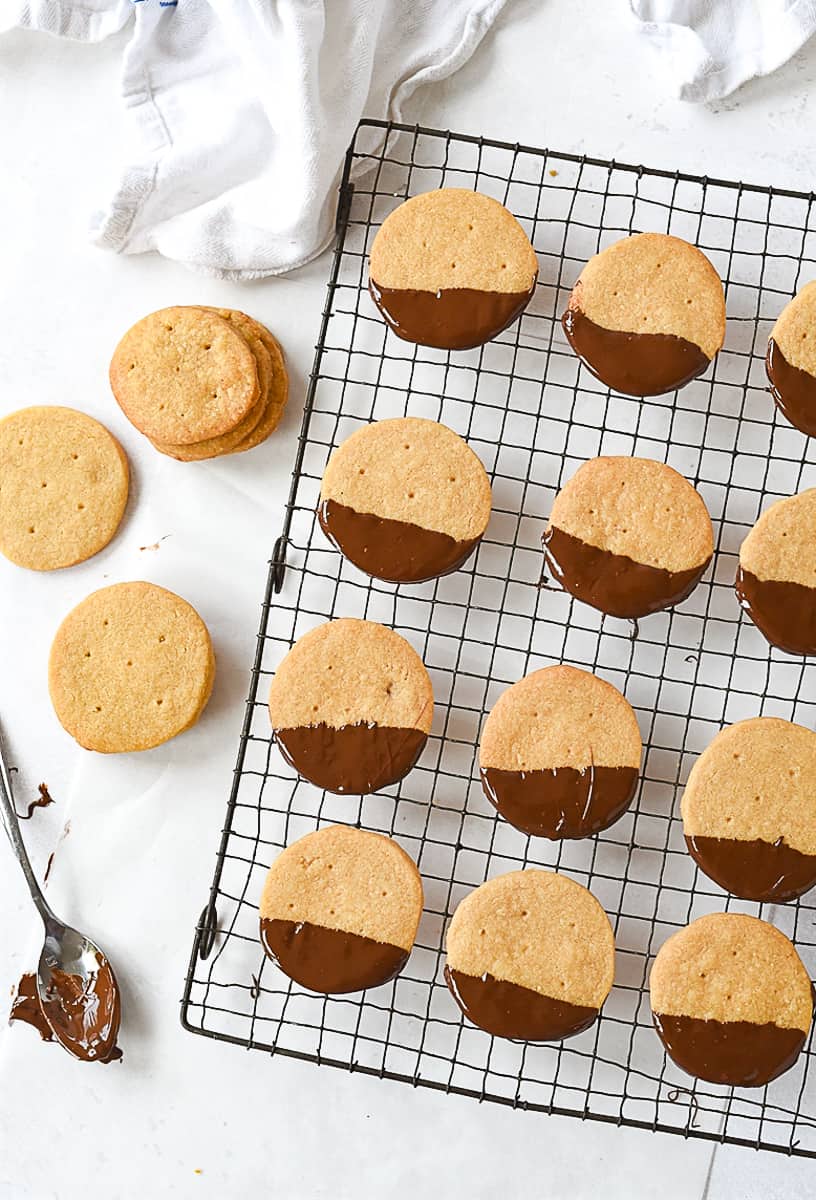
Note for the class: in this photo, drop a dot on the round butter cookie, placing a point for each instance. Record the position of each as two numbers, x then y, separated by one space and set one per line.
250 330
776 578
130 667
629 536
184 375
405 500
749 810
351 706
530 955
451 268
731 1000
560 754
647 314
276 398
791 360
63 487
340 910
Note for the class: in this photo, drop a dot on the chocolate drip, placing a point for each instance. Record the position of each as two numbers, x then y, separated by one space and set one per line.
793 389
511 1011
740 1053
83 1015
26 1007
355 759
615 583
43 800
636 364
450 319
562 802
754 869
396 551
330 960
783 612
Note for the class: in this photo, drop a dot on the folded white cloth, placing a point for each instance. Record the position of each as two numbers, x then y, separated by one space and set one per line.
711 47
241 112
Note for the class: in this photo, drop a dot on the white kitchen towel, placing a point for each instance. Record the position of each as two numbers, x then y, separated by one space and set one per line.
711 47
240 113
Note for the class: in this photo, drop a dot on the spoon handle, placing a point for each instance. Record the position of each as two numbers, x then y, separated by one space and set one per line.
12 827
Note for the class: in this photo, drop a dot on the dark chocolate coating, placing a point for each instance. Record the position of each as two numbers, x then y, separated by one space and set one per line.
615 583
793 390
740 1053
563 802
330 960
636 364
754 869
450 319
783 612
511 1011
395 551
354 759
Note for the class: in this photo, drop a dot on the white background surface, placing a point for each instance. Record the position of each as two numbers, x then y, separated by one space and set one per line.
136 865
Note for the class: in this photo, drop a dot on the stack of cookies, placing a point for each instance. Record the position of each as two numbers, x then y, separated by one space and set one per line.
200 382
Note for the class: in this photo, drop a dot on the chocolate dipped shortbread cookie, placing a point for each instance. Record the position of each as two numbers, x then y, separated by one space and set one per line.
791 360
451 268
351 706
560 754
629 536
530 955
405 500
749 810
776 579
647 314
731 1000
340 909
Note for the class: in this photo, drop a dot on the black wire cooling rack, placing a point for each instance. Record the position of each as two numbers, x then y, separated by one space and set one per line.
533 414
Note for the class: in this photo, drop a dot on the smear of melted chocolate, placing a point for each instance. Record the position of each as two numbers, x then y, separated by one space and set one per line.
43 800
636 364
330 960
451 318
395 551
82 1014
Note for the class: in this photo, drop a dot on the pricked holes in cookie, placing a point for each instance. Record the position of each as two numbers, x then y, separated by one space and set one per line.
159 701
79 506
43 484
410 495
74 457
162 637
31 529
362 471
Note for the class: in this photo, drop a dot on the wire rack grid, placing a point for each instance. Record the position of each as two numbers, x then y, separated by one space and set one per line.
532 413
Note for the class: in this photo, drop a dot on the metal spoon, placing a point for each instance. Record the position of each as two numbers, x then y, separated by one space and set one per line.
76 986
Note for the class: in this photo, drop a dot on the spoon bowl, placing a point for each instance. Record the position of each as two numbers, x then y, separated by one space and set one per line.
78 994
